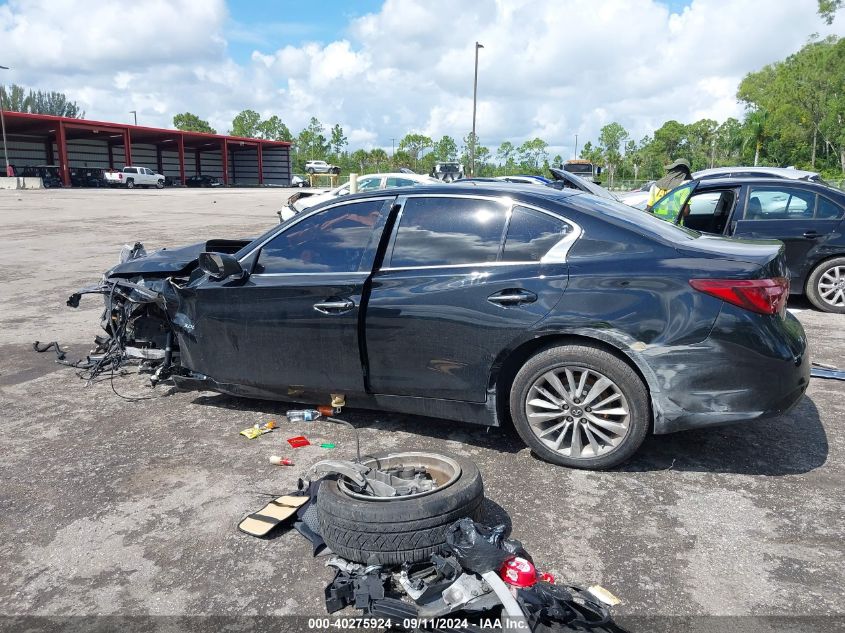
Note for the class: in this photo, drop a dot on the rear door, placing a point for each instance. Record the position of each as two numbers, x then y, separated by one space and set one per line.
462 277
800 217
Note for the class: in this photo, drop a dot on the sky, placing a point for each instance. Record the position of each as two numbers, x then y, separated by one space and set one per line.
383 68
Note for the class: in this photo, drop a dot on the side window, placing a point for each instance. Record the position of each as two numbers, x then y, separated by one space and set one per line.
827 210
400 182
130 170
448 231
368 184
329 241
779 203
531 235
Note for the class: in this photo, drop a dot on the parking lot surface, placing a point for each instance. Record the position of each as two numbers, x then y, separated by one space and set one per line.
110 506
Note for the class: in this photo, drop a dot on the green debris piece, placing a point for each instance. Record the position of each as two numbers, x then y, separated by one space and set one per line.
326 445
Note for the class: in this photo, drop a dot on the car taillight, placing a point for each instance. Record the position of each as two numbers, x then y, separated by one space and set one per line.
120 176
766 296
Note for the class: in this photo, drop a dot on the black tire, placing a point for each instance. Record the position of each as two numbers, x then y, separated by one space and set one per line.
159 184
592 358
310 170
335 171
392 532
812 289
130 184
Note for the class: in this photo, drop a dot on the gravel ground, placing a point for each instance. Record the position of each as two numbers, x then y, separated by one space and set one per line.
109 507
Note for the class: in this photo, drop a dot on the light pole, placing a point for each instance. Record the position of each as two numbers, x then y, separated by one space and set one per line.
3 125
474 100
135 114
576 147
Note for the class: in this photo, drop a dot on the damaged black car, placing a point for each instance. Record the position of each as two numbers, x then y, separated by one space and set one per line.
587 323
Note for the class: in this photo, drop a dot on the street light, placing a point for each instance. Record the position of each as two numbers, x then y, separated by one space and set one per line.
135 114
474 99
3 125
576 147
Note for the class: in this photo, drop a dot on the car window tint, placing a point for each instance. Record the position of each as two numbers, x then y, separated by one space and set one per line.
531 234
827 210
779 203
448 231
130 170
366 184
329 241
400 182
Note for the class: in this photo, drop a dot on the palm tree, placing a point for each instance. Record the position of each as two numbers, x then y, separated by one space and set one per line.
756 131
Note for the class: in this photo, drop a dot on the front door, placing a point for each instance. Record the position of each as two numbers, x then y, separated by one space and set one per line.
293 323
462 278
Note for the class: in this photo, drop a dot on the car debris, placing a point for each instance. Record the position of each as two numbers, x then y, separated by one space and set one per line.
819 370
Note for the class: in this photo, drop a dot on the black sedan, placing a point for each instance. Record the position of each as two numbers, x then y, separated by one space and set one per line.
806 216
587 323
202 180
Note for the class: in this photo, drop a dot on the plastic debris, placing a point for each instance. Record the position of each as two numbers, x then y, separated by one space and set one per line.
302 415
278 460
298 441
258 430
327 445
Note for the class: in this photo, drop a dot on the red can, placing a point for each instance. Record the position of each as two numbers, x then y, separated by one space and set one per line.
519 572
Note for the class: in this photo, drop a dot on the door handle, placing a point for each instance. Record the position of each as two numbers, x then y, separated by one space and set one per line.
334 306
512 297
811 235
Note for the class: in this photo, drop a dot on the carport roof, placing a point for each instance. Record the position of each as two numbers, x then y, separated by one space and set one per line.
22 123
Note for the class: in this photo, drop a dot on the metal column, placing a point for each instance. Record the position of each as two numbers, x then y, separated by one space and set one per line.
224 152
61 143
260 149
182 158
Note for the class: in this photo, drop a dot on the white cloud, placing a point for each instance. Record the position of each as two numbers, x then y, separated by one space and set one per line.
551 69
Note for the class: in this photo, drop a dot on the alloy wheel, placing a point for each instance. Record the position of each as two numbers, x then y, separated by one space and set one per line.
577 412
831 286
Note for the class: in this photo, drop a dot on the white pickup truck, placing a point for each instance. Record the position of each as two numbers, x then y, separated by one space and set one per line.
131 177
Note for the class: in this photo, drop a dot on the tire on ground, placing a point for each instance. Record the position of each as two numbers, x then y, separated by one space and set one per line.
812 289
392 532
596 359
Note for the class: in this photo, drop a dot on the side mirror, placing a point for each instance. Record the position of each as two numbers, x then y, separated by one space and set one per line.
220 265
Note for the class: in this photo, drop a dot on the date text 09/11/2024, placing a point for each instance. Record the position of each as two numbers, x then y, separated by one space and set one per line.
498 624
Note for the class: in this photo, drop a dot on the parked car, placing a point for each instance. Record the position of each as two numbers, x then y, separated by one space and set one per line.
299 181
87 177
49 175
586 322
525 180
131 177
804 215
321 167
448 171
369 182
565 179
201 180
789 173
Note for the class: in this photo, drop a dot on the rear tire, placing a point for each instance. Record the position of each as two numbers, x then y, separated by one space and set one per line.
310 170
826 286
392 532
607 434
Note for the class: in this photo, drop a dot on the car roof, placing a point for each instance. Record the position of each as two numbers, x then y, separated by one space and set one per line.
521 191
762 181
782 172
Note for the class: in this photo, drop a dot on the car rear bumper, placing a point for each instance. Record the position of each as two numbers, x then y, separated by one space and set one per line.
750 367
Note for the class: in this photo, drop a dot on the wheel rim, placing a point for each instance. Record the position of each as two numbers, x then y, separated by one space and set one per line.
831 286
577 412
443 470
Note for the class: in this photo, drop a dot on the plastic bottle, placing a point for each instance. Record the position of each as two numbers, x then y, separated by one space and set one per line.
302 415
280 461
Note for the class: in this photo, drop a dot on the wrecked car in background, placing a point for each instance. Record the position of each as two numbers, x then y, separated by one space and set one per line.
586 322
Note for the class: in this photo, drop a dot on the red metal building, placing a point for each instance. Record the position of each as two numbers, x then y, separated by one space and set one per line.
40 139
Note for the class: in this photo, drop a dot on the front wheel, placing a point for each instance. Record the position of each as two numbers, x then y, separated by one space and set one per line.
826 286
159 184
130 184
580 406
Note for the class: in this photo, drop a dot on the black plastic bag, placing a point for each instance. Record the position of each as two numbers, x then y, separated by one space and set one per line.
479 548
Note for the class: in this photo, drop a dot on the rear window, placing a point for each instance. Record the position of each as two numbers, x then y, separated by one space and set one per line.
641 222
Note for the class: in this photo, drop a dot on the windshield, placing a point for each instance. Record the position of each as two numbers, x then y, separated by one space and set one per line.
578 168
